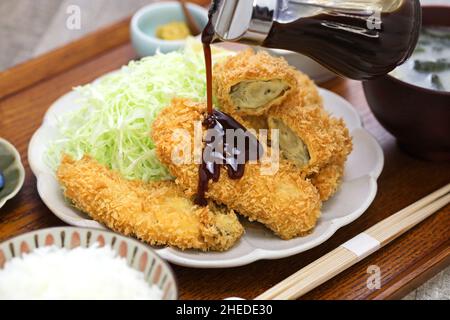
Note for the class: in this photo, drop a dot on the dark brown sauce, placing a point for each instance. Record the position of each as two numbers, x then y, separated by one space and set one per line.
219 151
208 62
344 43
233 155
207 39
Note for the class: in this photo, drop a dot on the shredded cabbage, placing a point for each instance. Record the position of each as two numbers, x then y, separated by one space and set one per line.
114 121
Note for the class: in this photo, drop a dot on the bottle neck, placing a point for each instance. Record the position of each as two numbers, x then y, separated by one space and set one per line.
242 20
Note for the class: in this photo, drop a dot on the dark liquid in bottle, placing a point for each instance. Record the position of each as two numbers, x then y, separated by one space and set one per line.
227 153
349 43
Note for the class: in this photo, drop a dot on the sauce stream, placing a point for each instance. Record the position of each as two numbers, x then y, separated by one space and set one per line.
207 39
218 151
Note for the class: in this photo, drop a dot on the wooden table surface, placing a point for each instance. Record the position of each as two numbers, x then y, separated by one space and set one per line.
26 92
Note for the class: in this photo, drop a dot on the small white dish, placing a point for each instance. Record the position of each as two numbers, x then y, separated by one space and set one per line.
357 192
313 69
147 19
13 170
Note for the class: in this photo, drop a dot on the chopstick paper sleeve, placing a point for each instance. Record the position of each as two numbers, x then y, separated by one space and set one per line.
362 245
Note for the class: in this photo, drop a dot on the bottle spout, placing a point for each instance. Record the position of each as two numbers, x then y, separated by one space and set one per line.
242 21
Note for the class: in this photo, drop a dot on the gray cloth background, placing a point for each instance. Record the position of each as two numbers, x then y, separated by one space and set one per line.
31 27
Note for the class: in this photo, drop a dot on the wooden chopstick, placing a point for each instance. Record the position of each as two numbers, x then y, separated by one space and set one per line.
190 20
357 248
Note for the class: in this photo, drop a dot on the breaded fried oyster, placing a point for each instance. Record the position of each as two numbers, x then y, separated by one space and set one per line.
328 179
309 136
307 91
158 213
285 201
251 83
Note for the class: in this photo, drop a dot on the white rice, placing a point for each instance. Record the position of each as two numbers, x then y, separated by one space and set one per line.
81 273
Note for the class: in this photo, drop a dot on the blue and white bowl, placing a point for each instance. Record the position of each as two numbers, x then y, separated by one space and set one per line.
12 169
145 22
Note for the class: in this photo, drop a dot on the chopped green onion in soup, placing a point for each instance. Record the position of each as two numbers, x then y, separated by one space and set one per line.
429 65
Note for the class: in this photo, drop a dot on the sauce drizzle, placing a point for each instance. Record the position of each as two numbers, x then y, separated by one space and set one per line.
219 151
233 155
207 39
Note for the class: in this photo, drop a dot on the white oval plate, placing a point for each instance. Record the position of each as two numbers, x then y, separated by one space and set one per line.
357 192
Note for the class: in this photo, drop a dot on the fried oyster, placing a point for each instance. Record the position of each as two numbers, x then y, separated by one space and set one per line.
158 213
284 201
309 137
250 83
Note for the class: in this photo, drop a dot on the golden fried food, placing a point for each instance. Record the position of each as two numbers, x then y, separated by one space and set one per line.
309 136
253 122
158 213
307 91
285 202
251 83
328 179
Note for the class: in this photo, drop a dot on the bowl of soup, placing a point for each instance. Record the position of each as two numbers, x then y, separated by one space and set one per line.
413 101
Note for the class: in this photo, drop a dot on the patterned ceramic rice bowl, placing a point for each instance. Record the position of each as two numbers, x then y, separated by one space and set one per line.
138 256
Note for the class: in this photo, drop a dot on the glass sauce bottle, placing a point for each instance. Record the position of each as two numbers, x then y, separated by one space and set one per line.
359 39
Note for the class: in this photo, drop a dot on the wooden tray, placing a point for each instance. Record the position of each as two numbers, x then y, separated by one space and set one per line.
27 90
